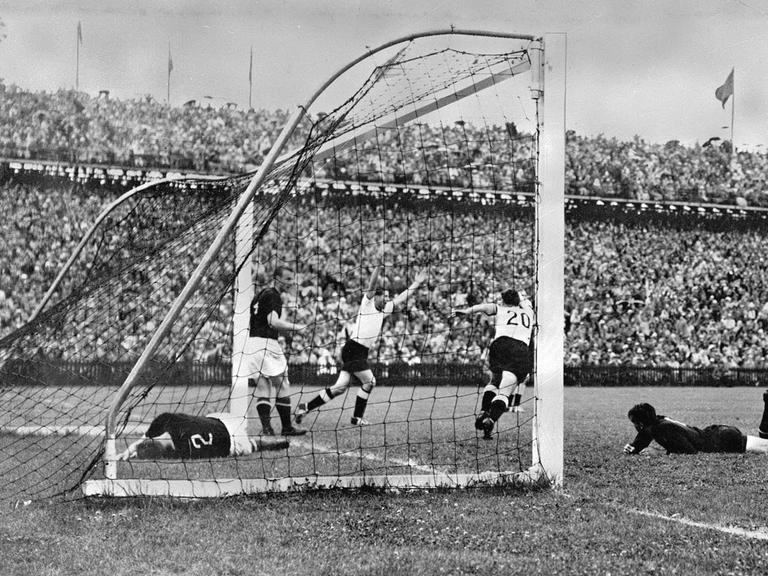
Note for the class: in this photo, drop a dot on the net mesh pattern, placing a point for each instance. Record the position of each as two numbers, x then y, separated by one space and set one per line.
423 167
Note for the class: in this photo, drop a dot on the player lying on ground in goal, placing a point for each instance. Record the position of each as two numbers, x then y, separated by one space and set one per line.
183 436
354 354
509 356
678 438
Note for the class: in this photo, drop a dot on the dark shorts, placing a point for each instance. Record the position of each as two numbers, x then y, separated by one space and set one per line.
193 436
509 355
354 357
720 438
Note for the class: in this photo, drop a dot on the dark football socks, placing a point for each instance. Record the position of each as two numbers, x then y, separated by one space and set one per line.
264 409
283 406
488 397
361 402
498 407
320 399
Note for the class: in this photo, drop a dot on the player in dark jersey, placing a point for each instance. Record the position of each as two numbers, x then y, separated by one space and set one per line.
184 436
678 438
509 355
266 364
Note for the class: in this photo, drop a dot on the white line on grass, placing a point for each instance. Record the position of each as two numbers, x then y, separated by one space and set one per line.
55 430
759 534
139 431
366 456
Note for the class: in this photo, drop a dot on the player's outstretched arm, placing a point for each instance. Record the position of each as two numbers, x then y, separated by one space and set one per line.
630 449
403 296
489 309
131 451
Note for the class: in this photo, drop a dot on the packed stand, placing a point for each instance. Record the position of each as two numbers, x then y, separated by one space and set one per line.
74 127
641 289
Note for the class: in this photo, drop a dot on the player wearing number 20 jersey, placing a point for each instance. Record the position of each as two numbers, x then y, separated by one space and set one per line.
509 350
509 356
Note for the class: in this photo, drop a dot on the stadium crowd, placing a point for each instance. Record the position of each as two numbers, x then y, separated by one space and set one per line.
77 128
644 290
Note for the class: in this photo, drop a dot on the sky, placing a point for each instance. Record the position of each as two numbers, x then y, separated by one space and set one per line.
634 67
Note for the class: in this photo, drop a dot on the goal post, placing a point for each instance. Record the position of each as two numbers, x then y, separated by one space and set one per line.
550 222
440 155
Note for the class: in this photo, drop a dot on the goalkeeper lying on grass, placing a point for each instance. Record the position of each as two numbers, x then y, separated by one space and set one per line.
193 437
678 438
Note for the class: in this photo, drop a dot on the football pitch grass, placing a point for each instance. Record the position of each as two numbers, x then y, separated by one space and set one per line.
616 514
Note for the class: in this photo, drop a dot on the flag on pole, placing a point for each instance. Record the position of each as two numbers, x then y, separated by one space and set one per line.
170 60
250 67
726 90
79 32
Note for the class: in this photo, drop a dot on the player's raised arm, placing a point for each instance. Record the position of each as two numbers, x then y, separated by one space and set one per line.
374 279
487 308
403 296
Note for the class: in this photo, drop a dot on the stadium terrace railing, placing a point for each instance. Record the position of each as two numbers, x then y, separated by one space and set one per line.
395 374
120 177
612 376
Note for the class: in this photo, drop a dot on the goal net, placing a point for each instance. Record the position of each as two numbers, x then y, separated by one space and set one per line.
429 157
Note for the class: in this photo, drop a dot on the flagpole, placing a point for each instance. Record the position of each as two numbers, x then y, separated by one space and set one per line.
250 80
733 115
77 65
170 67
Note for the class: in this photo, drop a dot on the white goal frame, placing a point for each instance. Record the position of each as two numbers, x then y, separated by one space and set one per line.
548 83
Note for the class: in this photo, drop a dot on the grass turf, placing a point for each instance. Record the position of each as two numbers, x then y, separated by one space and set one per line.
589 527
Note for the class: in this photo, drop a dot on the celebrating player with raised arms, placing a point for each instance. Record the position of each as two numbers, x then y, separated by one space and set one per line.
193 437
354 355
509 356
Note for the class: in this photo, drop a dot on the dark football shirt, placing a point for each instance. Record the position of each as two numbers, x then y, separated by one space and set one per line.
678 438
193 436
265 302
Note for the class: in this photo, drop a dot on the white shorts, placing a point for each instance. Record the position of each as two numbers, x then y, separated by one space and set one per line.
263 357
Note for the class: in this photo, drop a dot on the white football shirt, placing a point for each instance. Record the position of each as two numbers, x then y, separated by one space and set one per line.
369 321
515 321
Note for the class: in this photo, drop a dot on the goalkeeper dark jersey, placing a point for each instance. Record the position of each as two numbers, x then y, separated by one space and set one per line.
193 436
678 438
266 302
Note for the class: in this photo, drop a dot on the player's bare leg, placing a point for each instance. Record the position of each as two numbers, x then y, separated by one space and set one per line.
758 445
367 384
325 396
517 396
